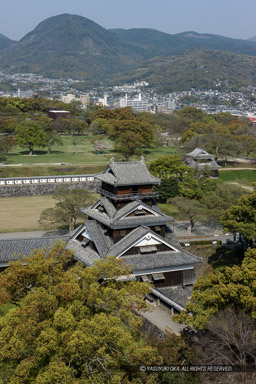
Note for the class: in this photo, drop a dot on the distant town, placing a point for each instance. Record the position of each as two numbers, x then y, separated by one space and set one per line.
140 96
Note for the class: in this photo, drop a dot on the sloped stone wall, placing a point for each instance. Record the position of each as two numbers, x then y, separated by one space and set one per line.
44 189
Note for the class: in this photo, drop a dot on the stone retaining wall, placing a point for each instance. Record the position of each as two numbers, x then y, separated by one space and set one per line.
44 189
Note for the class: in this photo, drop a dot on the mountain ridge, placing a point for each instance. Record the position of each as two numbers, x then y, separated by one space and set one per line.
5 42
72 46
66 44
198 68
161 43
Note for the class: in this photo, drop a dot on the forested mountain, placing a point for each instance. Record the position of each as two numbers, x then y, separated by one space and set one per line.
71 46
196 68
156 43
252 39
5 42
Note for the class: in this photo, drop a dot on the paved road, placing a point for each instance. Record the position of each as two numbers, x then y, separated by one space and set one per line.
223 238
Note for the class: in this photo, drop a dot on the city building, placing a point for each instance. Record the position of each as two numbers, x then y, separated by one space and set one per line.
25 94
55 113
137 104
83 99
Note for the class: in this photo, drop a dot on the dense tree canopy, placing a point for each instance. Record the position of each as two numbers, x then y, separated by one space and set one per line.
218 197
69 325
241 217
30 134
173 168
235 286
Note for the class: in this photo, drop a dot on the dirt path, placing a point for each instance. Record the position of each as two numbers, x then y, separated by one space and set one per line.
236 169
240 185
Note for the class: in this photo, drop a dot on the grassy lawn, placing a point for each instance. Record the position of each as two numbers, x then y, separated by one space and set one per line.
85 161
61 154
22 213
241 176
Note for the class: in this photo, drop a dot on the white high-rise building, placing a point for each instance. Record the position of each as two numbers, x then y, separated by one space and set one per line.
137 104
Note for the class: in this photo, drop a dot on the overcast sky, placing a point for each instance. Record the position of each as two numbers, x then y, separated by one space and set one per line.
231 18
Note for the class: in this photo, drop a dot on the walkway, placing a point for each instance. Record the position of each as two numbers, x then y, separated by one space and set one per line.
162 318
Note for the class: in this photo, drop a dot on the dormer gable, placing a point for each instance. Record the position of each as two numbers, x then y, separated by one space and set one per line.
148 244
140 210
100 208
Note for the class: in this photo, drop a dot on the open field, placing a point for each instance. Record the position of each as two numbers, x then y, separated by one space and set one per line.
61 153
22 213
49 170
86 155
240 176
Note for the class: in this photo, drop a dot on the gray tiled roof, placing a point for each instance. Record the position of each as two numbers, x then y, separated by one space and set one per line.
198 152
181 295
126 242
128 173
98 236
116 221
160 260
12 249
86 255
109 206
212 165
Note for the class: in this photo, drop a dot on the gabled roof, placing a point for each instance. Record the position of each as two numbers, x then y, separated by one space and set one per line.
128 173
199 152
134 237
176 256
86 255
120 219
97 234
193 159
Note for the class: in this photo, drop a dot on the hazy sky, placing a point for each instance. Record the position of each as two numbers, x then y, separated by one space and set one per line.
231 18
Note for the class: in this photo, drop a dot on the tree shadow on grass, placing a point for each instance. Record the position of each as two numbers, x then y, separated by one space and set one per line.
38 152
226 257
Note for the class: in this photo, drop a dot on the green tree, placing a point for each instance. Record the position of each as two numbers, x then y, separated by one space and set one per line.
100 126
72 324
173 168
7 143
30 134
113 114
131 136
129 144
247 144
169 188
241 217
142 129
51 135
218 197
67 210
215 292
191 209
